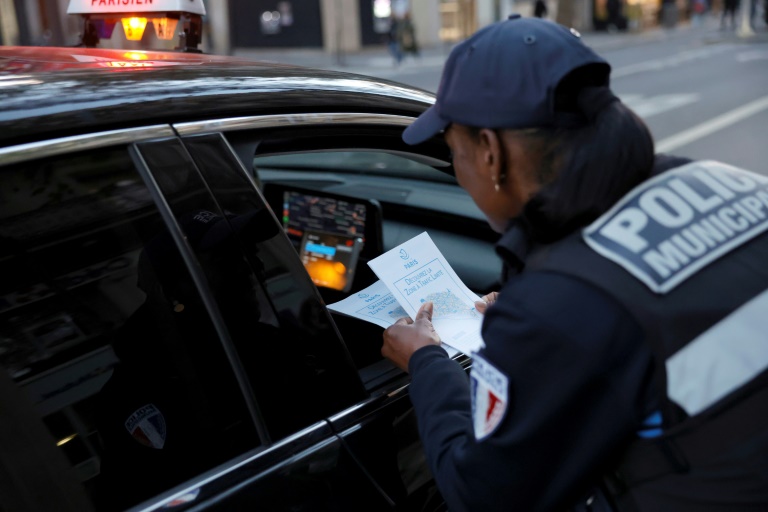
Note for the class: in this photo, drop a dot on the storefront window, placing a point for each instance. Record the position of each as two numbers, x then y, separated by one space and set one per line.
458 19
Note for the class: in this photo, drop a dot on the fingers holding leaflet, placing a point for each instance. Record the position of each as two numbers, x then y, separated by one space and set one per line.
406 336
483 304
404 320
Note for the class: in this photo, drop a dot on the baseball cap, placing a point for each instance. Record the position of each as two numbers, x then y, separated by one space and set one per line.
505 76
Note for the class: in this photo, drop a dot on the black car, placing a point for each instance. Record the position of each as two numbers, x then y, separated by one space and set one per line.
164 344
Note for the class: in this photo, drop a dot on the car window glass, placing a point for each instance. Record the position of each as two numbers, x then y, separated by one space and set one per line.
304 172
103 330
272 309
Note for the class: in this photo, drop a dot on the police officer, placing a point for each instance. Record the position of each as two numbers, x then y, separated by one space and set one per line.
625 356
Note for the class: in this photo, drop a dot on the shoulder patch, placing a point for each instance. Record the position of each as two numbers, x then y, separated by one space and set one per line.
489 396
677 223
147 426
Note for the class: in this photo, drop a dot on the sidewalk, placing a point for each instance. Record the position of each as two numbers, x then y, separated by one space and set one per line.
376 60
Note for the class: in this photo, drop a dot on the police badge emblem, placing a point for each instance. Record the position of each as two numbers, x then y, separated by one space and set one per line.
489 397
147 426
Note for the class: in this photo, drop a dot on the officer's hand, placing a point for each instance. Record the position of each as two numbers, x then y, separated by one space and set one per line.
406 336
482 305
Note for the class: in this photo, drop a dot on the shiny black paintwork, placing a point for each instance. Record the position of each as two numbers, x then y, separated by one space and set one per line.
49 92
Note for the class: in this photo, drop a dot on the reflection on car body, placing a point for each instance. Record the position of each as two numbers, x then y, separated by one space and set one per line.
164 343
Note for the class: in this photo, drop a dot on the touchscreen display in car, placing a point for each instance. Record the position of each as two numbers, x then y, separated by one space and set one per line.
328 233
330 259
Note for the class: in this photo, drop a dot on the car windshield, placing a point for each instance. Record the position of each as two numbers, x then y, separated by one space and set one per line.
358 162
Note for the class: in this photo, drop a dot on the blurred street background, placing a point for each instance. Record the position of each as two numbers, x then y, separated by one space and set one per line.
703 91
697 74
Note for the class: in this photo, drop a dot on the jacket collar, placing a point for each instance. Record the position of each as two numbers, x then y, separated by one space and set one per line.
516 244
513 247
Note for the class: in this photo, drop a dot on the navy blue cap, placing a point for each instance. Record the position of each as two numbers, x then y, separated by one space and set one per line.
504 76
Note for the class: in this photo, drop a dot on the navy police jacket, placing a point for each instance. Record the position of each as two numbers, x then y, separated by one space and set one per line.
658 306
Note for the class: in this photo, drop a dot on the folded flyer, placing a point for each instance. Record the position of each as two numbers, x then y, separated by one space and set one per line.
411 274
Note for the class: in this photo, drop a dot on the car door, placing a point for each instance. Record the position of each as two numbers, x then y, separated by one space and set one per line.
380 433
295 366
116 363
130 385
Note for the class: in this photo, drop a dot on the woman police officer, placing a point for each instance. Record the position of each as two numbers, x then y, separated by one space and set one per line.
578 364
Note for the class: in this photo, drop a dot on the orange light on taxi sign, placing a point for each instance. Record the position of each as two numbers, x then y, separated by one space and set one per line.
134 28
165 28
135 55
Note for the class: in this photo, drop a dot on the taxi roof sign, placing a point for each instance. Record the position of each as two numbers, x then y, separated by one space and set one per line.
135 6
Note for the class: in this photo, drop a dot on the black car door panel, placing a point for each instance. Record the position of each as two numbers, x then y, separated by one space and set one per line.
105 333
322 478
383 436
307 471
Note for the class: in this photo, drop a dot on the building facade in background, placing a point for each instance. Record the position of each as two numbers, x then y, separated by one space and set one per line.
332 25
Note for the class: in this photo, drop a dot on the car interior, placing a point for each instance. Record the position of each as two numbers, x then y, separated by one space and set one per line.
366 192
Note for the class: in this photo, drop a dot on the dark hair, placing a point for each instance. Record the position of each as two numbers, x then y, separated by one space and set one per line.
585 170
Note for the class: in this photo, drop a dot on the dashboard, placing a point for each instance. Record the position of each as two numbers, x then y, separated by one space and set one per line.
333 234
395 210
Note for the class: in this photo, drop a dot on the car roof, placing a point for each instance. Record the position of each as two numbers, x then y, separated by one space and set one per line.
47 92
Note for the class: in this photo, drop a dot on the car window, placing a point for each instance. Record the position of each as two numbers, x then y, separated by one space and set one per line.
104 333
414 188
298 368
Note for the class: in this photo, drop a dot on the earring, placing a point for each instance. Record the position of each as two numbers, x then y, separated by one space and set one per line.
497 181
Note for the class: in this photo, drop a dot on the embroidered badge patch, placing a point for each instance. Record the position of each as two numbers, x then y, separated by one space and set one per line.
678 222
147 426
489 396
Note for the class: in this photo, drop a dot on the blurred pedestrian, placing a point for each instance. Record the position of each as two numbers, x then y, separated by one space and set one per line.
698 8
407 38
765 12
614 14
540 9
752 13
669 13
393 40
729 11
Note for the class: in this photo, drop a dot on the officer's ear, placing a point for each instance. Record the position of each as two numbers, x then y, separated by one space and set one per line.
492 155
